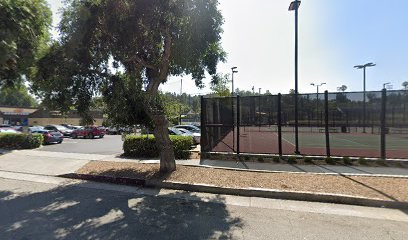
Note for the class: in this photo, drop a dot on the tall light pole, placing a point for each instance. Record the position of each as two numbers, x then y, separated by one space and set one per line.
364 89
294 6
317 96
181 99
233 71
387 85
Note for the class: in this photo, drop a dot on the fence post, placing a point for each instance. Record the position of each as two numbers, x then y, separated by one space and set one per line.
383 125
202 124
326 121
280 123
238 123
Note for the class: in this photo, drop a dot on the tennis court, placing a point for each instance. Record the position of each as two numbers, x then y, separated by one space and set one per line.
354 123
264 140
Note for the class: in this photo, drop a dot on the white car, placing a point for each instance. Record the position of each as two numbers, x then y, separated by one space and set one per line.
8 130
196 136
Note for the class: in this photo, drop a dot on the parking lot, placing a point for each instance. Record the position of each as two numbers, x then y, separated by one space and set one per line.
108 145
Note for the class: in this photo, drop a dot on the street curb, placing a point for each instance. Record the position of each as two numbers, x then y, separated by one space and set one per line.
246 192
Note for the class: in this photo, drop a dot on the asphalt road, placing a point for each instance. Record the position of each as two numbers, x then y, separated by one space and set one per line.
38 210
108 145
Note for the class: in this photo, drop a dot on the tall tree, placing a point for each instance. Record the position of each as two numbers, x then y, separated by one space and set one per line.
405 85
24 32
219 85
149 39
16 96
342 88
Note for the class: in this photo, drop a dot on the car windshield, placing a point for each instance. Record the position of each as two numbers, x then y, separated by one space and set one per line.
61 128
176 131
189 128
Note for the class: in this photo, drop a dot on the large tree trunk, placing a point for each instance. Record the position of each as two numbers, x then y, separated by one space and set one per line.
161 133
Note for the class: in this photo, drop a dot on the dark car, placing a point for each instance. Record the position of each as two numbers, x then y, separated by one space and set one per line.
88 132
50 136
58 128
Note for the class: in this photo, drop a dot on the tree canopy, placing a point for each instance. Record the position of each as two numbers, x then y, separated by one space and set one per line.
24 32
147 40
16 96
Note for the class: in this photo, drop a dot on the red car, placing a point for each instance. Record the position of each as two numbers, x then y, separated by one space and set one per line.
88 132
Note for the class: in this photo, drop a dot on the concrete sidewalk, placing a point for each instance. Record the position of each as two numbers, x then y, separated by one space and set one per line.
57 163
388 171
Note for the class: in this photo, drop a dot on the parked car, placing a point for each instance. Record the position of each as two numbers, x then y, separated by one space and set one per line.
18 128
196 136
50 136
69 126
190 128
8 130
58 128
88 132
35 128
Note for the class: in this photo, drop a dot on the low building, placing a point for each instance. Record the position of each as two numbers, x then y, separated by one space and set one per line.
42 117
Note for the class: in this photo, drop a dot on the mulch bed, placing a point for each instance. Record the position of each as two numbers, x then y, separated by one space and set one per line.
384 188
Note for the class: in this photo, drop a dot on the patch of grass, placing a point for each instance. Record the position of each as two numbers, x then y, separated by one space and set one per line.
347 161
308 160
247 158
292 160
362 161
330 161
276 159
260 159
381 162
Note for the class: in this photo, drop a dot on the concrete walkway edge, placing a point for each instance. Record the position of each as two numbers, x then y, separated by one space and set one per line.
245 192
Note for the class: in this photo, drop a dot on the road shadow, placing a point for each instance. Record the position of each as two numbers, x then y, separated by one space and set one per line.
81 212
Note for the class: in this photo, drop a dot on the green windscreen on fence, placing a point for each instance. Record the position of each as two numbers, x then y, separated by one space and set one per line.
358 124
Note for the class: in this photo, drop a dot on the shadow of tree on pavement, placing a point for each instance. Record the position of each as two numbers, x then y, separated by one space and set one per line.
81 212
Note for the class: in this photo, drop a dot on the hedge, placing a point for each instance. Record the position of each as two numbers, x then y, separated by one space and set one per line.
20 140
145 146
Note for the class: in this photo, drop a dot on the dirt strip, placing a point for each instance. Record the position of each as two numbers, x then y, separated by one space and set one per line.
384 188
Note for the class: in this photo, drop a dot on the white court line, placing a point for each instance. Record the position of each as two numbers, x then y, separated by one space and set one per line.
284 139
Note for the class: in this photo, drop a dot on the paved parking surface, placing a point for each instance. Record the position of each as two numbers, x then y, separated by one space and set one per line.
109 145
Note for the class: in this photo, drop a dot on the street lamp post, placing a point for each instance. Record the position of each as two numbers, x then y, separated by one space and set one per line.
181 99
364 89
233 71
294 6
317 97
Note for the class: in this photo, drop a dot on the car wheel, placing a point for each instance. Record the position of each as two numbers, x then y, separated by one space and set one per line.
90 136
59 142
74 136
101 136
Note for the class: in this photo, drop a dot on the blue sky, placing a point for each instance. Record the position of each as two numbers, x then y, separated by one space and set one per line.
333 37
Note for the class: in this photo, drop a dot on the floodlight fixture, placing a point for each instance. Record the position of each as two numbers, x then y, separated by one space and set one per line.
294 5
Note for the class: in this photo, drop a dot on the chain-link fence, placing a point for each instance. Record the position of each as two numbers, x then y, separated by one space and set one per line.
360 124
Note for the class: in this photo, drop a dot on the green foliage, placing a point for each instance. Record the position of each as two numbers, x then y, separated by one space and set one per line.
146 147
330 161
381 162
246 158
292 160
219 85
260 159
347 161
20 141
276 159
24 26
308 160
362 161
148 41
16 96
